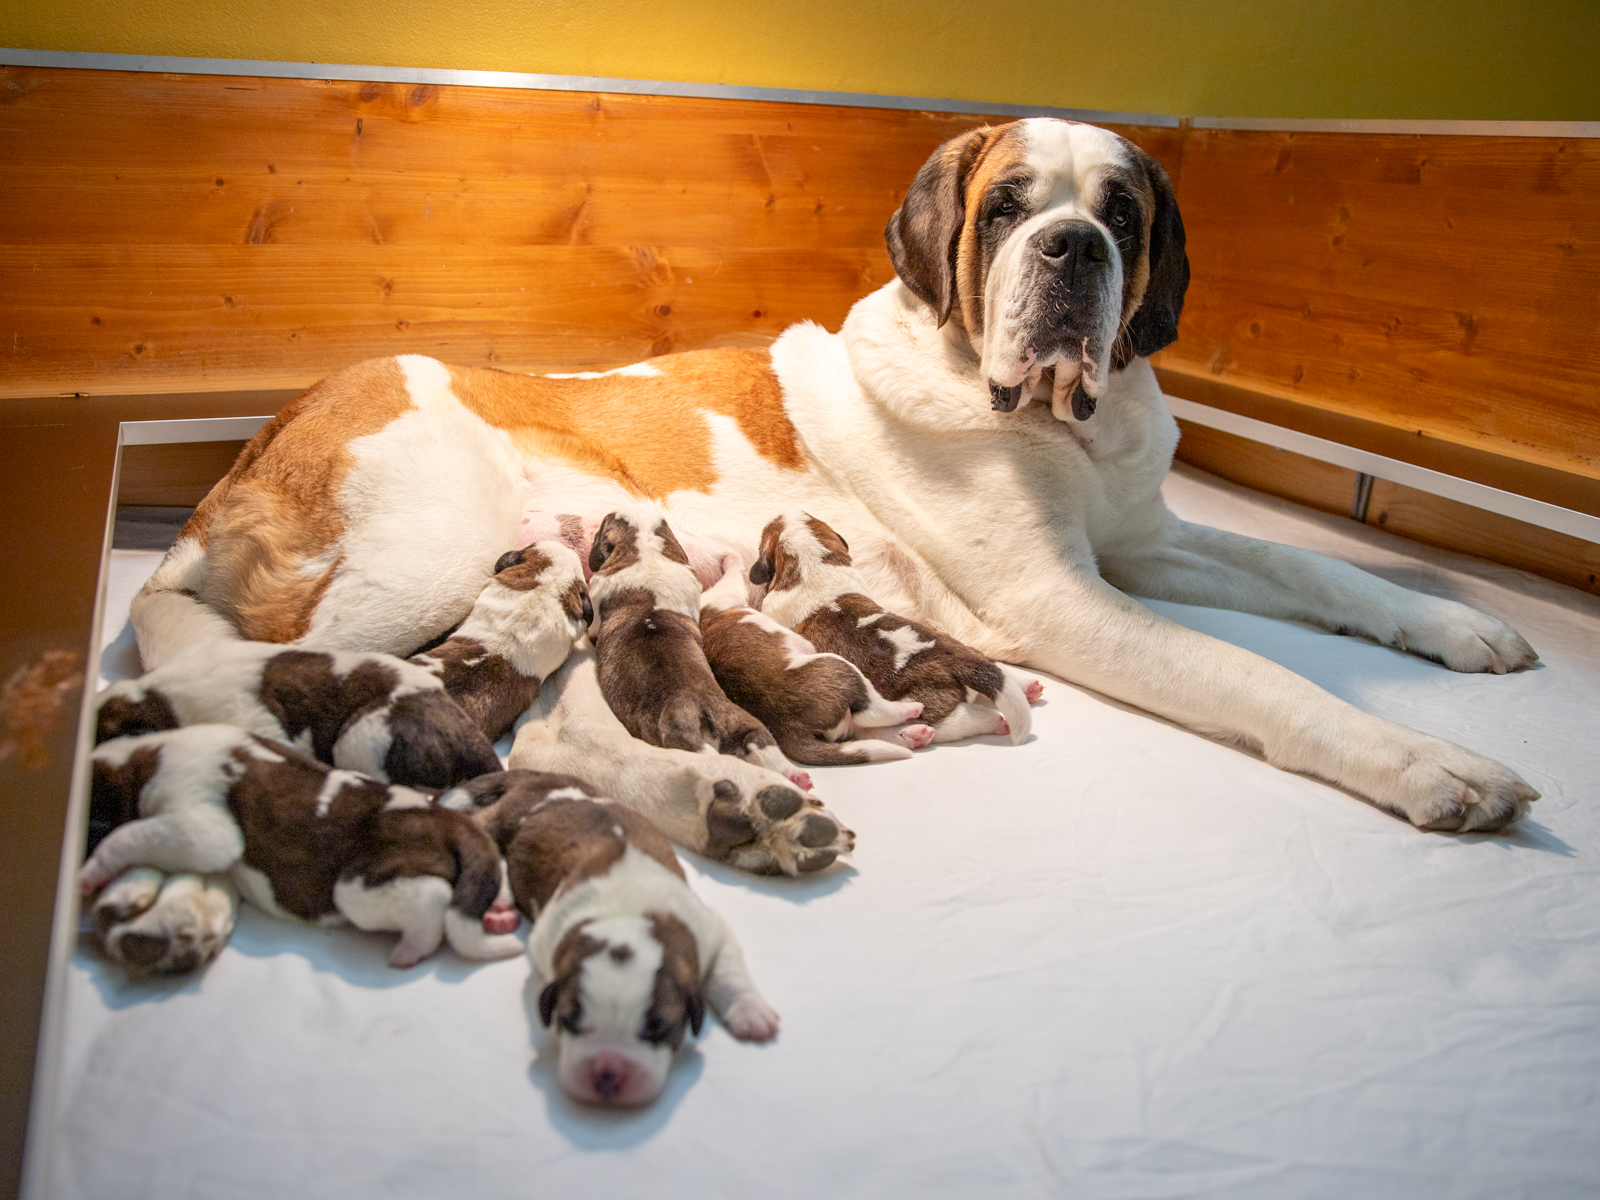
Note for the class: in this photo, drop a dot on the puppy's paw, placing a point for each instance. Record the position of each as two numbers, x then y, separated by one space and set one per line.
801 779
501 918
1034 691
180 929
915 736
130 894
751 1019
766 826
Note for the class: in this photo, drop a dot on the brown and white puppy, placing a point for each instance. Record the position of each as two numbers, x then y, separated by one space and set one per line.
812 702
522 627
372 713
813 589
629 955
652 665
297 838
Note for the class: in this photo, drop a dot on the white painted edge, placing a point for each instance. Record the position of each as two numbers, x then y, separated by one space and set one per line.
1550 129
444 77
1436 483
38 1154
198 429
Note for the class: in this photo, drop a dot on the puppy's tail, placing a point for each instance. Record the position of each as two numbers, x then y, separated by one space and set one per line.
814 752
1007 695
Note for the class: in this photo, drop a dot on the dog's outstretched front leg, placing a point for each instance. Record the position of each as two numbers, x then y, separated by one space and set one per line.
731 991
1192 564
722 807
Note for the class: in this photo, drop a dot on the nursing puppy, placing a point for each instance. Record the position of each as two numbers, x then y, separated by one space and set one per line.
297 838
812 702
521 629
652 665
813 589
372 713
629 956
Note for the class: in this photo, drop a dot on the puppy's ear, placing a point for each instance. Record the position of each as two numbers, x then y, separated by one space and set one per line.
601 548
510 558
547 1003
925 231
695 1007
761 572
1154 325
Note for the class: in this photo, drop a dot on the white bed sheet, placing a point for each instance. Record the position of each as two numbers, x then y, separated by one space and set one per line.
1118 961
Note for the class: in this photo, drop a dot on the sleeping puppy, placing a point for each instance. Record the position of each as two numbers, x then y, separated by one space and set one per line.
426 722
297 838
628 954
813 589
521 628
372 713
811 702
652 666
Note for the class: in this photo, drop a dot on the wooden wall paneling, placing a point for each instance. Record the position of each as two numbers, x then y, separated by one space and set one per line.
1283 473
1440 522
170 232
1444 284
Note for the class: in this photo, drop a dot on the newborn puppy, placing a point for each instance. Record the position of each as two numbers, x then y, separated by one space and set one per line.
811 702
629 955
521 628
299 839
651 664
576 530
372 713
813 589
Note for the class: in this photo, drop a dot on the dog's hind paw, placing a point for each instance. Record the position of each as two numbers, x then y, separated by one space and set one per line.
165 924
772 829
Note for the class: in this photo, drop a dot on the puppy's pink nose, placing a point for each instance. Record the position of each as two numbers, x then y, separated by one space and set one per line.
609 1077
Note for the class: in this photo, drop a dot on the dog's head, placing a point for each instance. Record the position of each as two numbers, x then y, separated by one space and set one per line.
536 603
793 543
635 548
1056 246
625 991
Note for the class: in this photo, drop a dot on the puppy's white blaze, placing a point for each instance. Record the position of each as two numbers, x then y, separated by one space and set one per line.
413 906
330 788
364 744
819 582
906 642
674 586
615 997
404 797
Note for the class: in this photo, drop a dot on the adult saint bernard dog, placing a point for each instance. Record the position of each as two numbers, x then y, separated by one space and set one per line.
984 431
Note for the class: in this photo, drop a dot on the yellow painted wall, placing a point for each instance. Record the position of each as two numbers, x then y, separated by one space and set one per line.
1463 59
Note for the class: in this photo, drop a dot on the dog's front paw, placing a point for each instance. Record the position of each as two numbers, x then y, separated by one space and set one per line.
751 1019
1465 639
1446 788
165 924
771 828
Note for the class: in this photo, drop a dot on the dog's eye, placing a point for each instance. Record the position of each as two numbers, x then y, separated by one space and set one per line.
572 1022
656 1030
1119 211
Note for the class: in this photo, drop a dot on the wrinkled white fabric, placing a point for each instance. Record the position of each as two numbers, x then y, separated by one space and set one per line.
1118 961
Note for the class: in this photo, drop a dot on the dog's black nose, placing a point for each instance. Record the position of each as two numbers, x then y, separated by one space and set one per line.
1072 242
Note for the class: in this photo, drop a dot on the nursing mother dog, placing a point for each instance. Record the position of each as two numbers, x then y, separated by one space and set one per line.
984 431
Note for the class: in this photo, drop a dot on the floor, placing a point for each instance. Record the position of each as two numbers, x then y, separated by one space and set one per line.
1118 961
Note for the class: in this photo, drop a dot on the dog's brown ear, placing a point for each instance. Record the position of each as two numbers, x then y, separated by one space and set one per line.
1155 325
925 231
767 554
697 1012
602 546
761 572
509 559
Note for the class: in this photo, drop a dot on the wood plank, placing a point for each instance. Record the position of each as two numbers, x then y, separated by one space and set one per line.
176 474
1440 522
1283 473
1448 285
165 232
